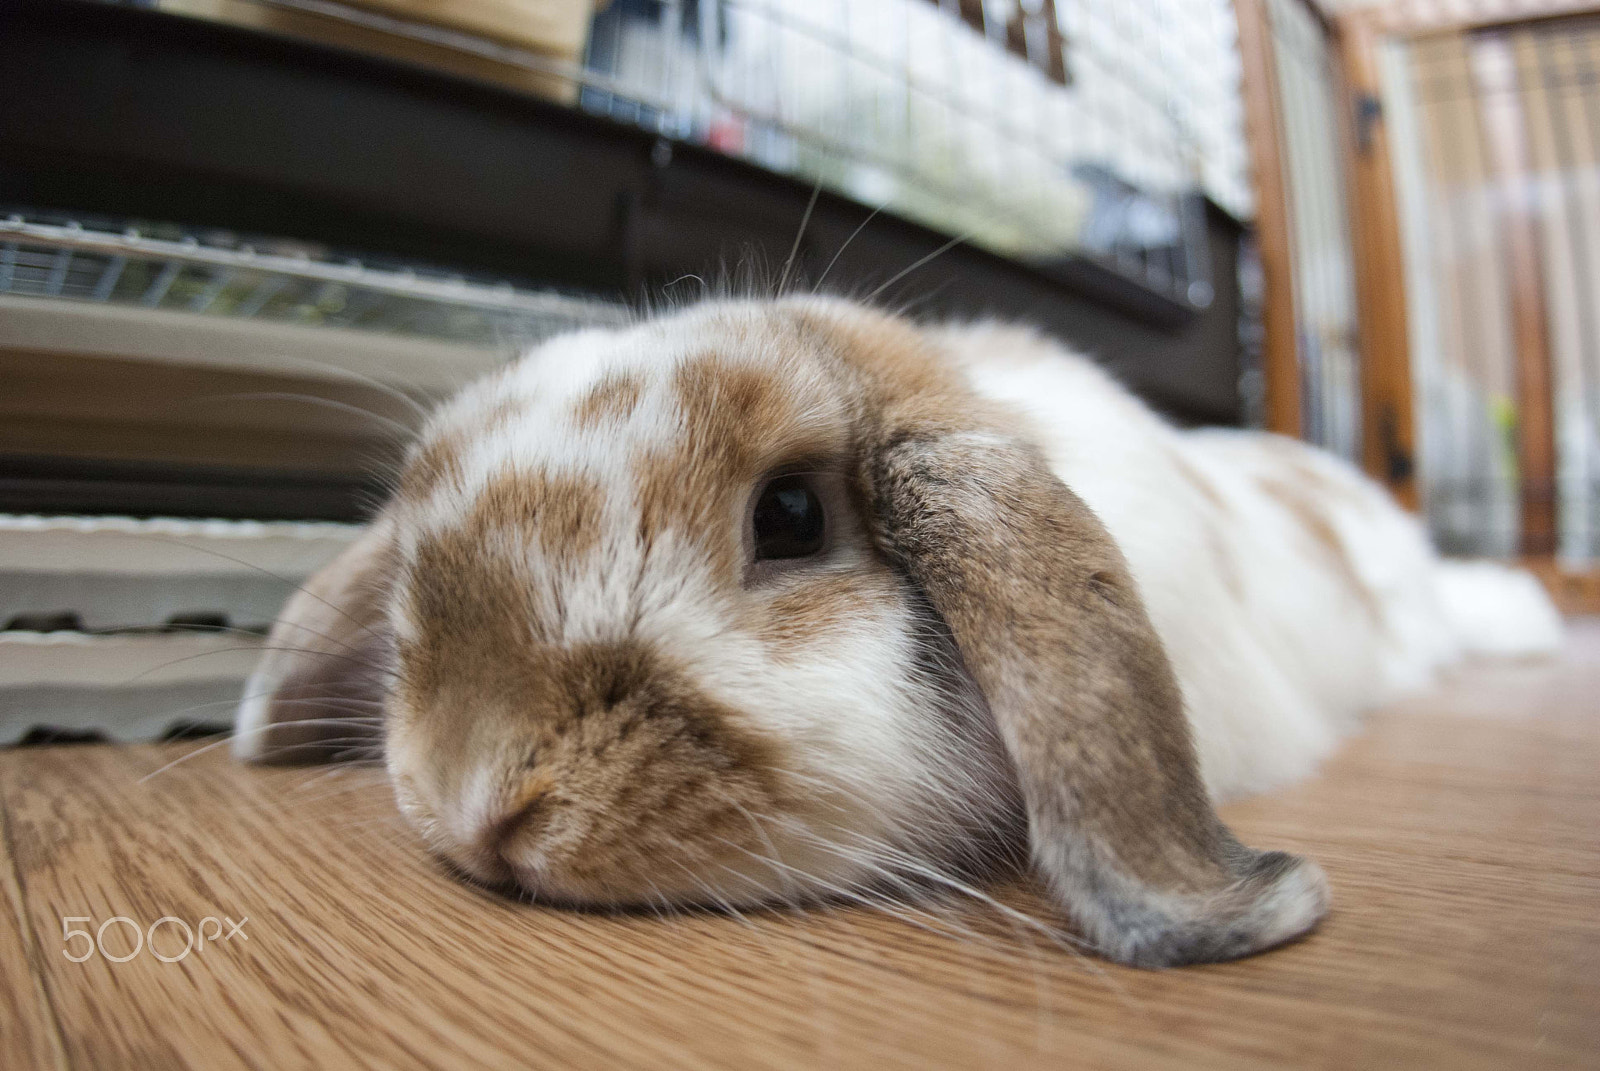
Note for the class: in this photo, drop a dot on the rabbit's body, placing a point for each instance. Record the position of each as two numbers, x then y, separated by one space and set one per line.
780 600
1290 591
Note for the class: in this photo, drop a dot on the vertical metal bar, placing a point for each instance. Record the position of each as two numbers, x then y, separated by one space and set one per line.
1299 174
672 41
1036 47
1500 113
201 302
613 100
59 264
907 106
658 87
108 278
265 291
1583 115
1557 101
956 132
1580 101
846 77
782 105
162 283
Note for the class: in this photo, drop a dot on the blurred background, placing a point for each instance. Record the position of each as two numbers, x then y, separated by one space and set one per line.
243 241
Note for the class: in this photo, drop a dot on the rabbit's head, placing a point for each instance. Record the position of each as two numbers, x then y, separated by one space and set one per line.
760 602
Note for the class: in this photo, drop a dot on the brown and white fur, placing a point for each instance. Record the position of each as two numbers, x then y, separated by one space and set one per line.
1041 616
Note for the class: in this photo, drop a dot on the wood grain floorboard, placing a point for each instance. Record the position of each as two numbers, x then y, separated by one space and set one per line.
1461 831
28 1033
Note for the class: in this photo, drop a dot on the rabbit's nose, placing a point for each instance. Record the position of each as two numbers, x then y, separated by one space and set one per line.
520 817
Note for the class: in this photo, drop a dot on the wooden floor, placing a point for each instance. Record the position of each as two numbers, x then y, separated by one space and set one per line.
1461 833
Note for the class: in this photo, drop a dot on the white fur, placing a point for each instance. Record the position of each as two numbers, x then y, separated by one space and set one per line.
1495 610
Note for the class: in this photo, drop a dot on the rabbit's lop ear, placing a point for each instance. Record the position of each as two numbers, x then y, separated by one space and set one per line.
1049 622
318 691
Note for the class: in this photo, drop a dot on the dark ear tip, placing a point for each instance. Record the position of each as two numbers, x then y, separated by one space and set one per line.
1279 898
1287 896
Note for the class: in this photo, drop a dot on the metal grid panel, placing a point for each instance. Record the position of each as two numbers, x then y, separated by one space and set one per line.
1462 352
1462 106
904 104
1324 281
219 274
901 103
1558 78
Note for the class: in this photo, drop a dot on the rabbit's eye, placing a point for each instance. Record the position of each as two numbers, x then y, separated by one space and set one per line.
789 521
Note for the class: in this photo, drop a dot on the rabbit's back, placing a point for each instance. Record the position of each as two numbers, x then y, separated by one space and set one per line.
1291 592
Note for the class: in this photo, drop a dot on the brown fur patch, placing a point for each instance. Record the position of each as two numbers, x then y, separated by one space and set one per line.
1299 458
655 775
1303 504
473 602
898 377
612 400
437 461
562 512
1227 568
738 421
434 463
730 408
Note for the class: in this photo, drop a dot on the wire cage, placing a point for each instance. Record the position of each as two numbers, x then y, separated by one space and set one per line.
221 274
1498 148
1319 227
1042 130
1037 129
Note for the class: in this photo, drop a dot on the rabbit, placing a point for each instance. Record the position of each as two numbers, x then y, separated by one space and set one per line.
769 600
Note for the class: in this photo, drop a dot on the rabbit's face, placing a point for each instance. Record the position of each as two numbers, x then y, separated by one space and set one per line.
647 648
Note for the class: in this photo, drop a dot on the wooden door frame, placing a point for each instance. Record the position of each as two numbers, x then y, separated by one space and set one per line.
1388 407
1280 357
1575 590
1388 412
1388 422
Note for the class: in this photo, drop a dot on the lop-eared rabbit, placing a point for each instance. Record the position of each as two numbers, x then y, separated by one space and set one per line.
772 600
